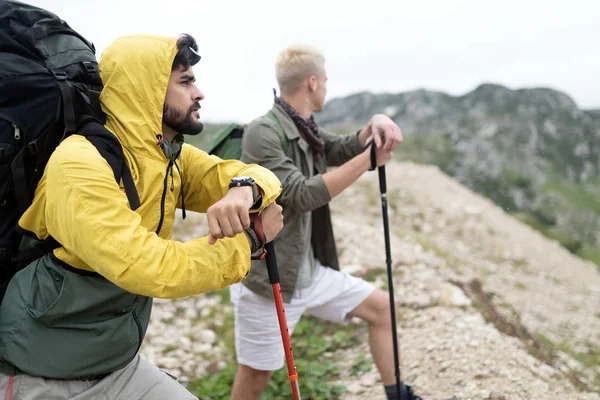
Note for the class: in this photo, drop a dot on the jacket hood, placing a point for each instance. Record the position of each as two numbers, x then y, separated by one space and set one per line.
135 71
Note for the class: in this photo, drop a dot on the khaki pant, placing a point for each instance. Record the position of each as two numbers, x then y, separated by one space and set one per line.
139 380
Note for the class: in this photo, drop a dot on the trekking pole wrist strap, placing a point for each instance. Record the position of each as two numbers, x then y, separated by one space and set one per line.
255 244
256 233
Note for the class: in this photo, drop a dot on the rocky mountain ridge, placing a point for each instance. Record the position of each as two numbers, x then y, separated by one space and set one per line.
534 152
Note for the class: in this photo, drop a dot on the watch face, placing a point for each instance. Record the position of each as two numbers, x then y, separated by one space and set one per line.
242 181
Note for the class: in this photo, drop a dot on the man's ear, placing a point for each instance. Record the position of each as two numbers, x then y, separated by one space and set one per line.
312 83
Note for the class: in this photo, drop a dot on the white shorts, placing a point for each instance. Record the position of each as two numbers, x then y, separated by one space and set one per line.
331 296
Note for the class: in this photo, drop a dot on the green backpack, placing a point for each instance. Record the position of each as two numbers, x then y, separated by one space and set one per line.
227 143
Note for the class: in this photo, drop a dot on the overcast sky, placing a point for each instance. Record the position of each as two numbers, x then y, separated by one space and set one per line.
375 45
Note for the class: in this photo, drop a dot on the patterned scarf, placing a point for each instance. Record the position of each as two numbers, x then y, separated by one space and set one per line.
308 128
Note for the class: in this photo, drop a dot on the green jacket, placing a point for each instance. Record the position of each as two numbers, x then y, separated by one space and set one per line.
65 323
303 191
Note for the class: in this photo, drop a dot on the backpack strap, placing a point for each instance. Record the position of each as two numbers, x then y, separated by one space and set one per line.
32 248
110 148
282 135
42 147
67 100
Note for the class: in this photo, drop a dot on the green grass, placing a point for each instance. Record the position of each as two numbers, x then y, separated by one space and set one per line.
591 253
579 195
363 363
428 149
169 348
520 286
583 250
316 374
372 275
433 248
589 360
224 294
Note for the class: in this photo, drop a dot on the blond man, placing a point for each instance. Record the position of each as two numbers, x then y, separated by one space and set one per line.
311 280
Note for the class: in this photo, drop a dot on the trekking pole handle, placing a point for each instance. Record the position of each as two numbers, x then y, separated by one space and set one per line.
382 184
381 170
271 263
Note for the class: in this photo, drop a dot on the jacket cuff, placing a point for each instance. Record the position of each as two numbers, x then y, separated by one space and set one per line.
355 145
321 195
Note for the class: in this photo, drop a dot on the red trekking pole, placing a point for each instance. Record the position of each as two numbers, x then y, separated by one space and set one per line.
285 336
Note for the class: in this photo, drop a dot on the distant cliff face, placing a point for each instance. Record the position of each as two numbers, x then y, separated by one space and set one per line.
529 150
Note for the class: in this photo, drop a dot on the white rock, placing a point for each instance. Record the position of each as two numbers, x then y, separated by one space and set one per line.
205 312
369 380
355 387
185 343
496 396
472 209
202 347
453 296
207 336
406 257
353 269
191 313
419 301
169 362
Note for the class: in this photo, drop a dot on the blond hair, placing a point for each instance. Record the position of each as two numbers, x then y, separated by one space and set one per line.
296 63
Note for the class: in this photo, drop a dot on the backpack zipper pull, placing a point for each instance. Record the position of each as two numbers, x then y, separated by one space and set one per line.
17 131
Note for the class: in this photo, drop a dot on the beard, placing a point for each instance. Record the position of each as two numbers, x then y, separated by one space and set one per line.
184 124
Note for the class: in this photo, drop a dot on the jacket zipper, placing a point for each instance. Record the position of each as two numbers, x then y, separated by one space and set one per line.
17 136
164 196
139 327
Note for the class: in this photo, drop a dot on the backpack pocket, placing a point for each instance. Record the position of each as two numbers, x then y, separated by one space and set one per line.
10 140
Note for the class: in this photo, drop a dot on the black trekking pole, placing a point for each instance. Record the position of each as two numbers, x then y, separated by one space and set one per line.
388 259
285 336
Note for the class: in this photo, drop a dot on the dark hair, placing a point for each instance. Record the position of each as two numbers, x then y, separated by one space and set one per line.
187 52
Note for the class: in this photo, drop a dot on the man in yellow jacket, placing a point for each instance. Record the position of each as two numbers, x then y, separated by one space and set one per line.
73 321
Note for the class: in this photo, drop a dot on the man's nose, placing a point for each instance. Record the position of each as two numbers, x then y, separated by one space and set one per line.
197 94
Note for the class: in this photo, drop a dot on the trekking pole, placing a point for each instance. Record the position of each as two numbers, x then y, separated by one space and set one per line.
285 336
388 259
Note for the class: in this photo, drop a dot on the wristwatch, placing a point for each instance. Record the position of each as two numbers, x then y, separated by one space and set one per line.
240 181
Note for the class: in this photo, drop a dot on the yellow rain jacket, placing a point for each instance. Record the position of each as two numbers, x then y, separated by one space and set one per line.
85 210
84 310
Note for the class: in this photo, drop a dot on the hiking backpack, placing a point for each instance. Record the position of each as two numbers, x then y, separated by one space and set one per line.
227 143
49 89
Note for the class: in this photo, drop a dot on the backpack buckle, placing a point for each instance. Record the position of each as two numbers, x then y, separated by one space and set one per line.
34 147
89 67
59 74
